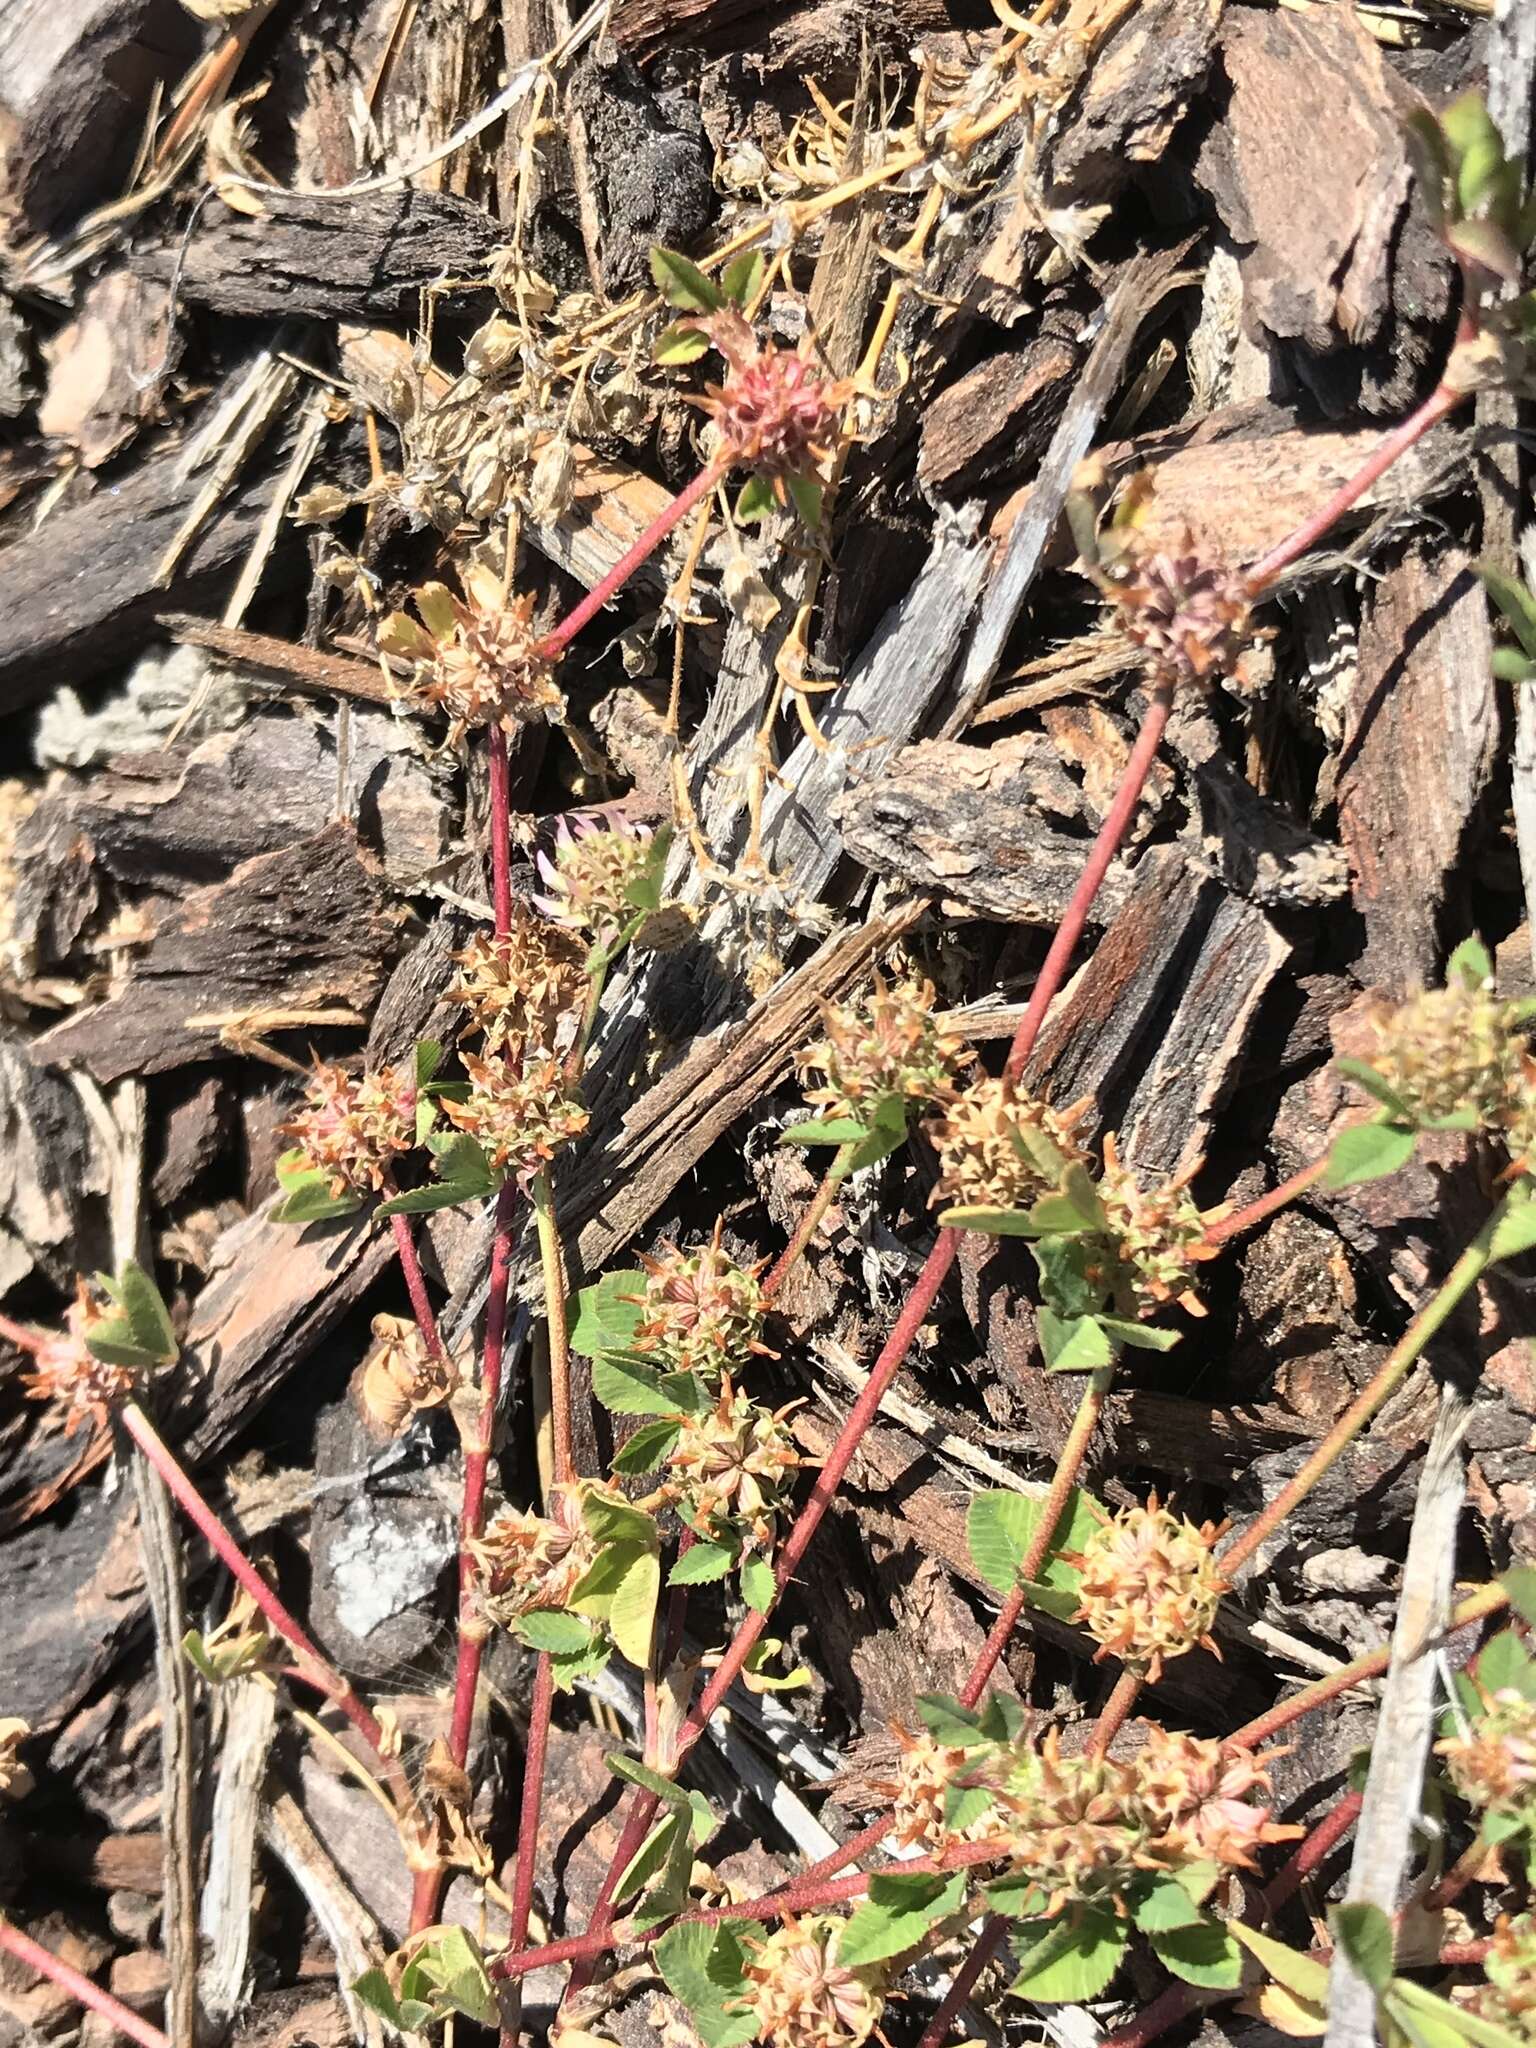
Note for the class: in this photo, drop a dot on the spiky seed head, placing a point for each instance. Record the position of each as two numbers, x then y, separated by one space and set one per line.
887 1044
729 1469
1159 1234
401 1376
701 1311
520 988
1197 1797
596 862
802 1996
774 411
81 1389
926 1773
527 1560
1188 614
15 1778
1000 1148
353 1126
1493 1765
475 658
1149 1586
1452 1051
521 1115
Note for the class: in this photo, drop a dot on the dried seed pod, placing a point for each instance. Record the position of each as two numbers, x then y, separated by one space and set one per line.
521 988
81 1389
1453 1052
553 481
887 1044
401 1377
1493 1765
529 1561
1158 1233
493 348
748 595
475 658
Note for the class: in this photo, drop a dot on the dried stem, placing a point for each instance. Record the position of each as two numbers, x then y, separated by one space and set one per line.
1463 1276
79 1987
552 1259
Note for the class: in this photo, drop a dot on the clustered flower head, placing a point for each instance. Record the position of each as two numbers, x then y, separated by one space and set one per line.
729 1468
1493 1765
1149 1586
1190 615
521 1115
700 1312
81 1388
1087 1828
887 1045
596 862
1000 1148
475 658
1158 1233
801 1995
528 1561
1508 1997
401 1375
927 1771
353 1126
15 1778
775 412
520 988
1453 1052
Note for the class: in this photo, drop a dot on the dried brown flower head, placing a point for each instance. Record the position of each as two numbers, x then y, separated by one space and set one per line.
999 1148
597 861
1493 1765
475 658
521 1116
401 1376
1197 1797
1454 1051
1188 614
803 1997
1150 1586
775 412
82 1389
529 1561
353 1126
521 988
729 1467
887 1044
700 1311
15 1778
1159 1234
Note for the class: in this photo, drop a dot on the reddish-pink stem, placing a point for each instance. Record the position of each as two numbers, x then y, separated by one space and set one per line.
1314 1852
416 1283
79 1987
991 1938
534 1761
501 830
1220 1228
554 644
24 1339
1113 830
1398 441
1116 1709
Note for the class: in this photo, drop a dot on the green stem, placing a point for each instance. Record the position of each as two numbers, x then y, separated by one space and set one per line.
1426 1325
552 1260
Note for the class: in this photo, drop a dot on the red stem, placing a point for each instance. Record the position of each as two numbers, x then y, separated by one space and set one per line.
1439 403
80 1988
501 831
416 1284
534 1760
1221 1228
1314 1851
25 1340
554 644
991 1938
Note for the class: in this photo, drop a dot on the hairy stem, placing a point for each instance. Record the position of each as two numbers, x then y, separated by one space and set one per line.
535 1757
994 1933
35 1957
1116 1711
806 1228
1489 1600
1426 1325
416 1283
1393 444
1220 1228
1068 1466
554 644
552 1260
501 830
